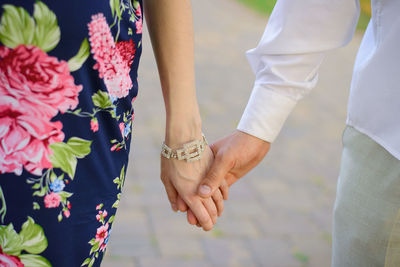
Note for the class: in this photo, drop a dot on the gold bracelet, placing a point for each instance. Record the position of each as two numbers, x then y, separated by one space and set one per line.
190 152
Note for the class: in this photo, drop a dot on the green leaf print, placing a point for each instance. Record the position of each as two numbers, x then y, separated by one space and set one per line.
114 5
30 239
115 204
122 177
86 262
16 26
3 205
63 158
118 10
79 147
91 262
101 99
47 32
36 186
36 206
111 219
33 238
10 241
53 177
95 247
65 154
64 195
135 4
76 62
41 192
34 260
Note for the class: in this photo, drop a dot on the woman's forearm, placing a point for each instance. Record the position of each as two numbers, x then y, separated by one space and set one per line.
171 31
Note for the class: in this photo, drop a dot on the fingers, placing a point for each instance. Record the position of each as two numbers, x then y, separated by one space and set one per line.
191 218
211 209
171 193
218 201
221 166
181 204
224 188
201 213
230 179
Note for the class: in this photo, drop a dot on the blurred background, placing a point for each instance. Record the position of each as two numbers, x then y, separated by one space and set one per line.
280 214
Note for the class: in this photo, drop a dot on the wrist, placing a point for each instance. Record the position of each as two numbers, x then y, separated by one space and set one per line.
259 146
182 129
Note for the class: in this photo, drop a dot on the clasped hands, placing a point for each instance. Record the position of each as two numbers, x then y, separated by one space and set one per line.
200 188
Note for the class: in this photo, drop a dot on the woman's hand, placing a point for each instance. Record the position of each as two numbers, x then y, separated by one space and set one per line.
170 26
181 180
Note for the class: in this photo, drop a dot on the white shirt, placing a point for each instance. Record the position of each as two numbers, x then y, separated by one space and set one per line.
287 59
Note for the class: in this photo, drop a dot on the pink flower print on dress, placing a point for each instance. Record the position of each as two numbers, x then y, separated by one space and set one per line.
25 137
102 233
122 128
113 61
7 260
127 51
139 26
94 125
98 216
138 11
34 88
67 213
36 80
52 200
139 22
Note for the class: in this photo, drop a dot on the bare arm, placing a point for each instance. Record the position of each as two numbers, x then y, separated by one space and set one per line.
171 31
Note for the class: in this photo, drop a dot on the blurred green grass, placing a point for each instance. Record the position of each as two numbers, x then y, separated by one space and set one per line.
266 6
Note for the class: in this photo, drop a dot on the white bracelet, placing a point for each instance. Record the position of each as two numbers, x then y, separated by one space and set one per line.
190 152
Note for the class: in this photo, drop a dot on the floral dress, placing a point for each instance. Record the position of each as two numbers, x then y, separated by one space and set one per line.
68 80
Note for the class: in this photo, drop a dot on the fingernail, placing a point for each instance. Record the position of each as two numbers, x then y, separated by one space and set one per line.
205 190
174 207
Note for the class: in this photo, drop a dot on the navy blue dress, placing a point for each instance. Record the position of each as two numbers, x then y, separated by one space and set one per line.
68 79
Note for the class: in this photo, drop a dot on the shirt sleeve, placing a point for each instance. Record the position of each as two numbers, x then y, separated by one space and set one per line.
287 59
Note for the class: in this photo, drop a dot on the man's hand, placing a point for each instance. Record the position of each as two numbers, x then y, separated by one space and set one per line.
234 156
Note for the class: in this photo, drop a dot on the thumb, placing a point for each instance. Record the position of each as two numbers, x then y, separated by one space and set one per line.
220 167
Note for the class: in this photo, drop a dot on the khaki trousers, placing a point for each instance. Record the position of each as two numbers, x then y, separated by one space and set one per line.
366 226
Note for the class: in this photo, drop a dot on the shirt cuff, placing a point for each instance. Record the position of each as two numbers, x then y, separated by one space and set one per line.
265 113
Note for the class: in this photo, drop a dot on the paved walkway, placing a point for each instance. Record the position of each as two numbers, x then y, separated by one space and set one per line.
280 214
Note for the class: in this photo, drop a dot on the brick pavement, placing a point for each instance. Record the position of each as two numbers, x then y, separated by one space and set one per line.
280 214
